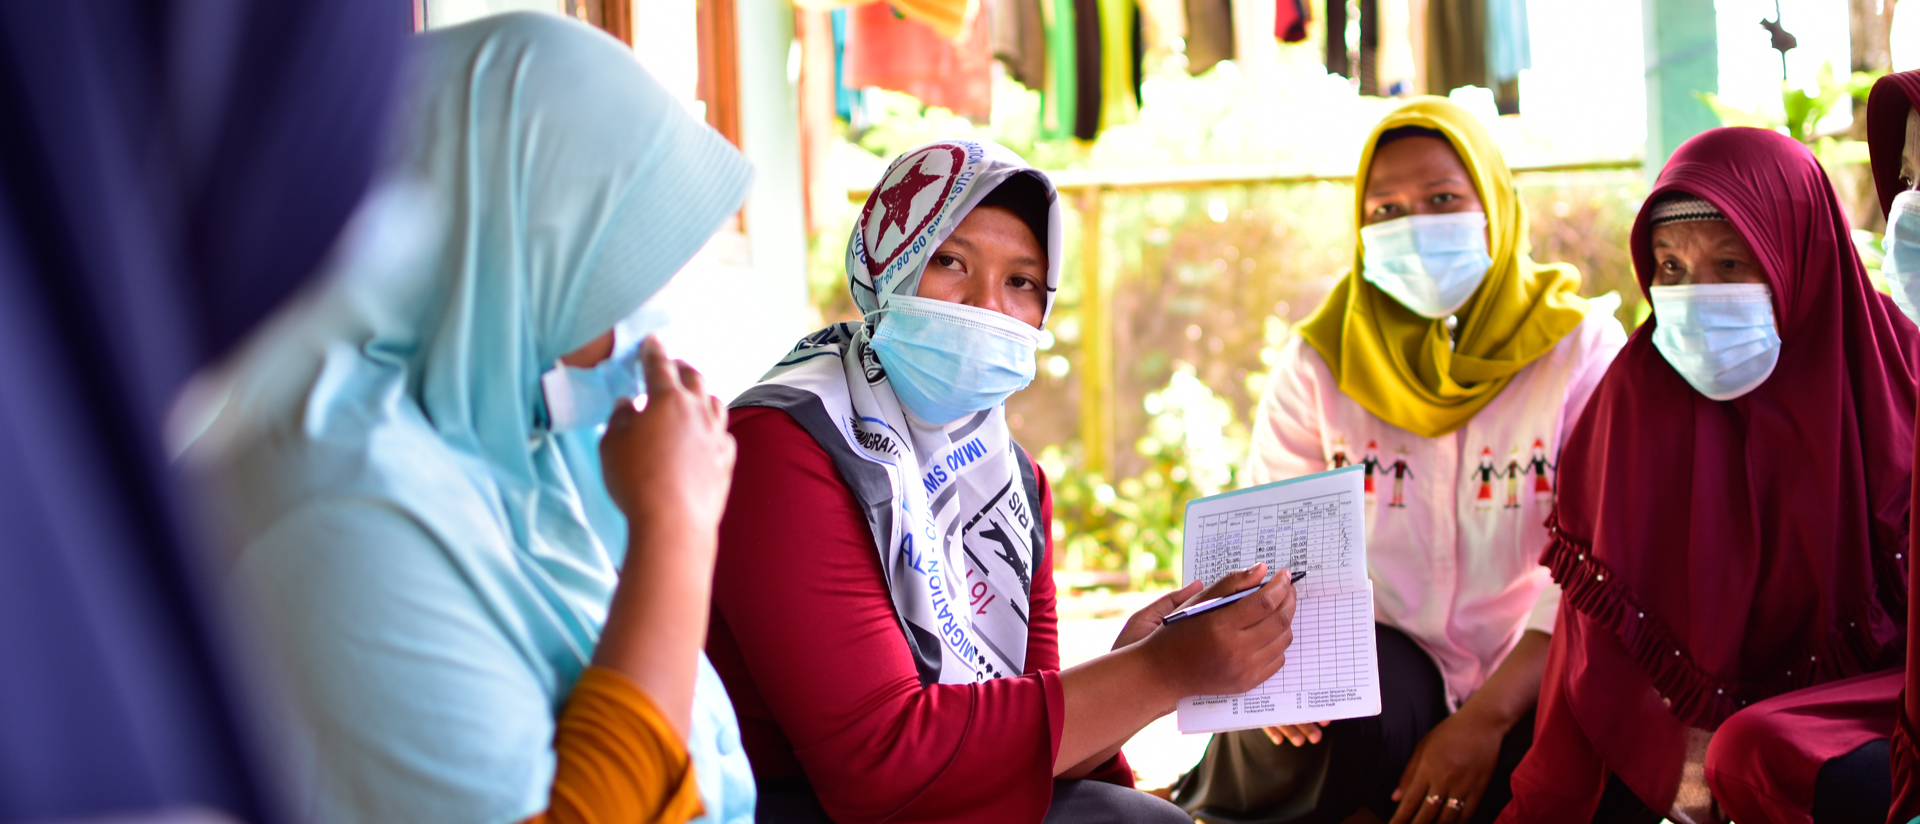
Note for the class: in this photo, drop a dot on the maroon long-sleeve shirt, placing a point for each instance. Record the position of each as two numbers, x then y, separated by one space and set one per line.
805 636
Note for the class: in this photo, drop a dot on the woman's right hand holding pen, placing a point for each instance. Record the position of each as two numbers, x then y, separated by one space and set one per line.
1234 648
1154 664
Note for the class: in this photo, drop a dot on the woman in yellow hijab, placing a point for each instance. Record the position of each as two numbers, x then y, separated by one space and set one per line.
1451 366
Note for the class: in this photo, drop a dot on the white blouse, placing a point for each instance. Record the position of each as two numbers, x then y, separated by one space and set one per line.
1455 524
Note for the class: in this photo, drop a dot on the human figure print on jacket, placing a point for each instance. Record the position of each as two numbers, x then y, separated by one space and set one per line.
1542 472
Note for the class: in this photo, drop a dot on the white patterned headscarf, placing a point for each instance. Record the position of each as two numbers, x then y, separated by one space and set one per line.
921 199
951 507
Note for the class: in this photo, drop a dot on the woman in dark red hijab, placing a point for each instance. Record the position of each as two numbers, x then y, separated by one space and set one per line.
1888 111
1715 554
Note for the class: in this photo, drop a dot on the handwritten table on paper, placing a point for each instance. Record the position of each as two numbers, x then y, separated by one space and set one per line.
1311 523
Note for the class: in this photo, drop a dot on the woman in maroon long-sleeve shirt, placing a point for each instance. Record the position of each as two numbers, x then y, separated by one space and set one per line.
805 607
884 600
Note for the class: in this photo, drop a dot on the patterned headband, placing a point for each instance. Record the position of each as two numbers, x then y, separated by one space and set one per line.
1683 209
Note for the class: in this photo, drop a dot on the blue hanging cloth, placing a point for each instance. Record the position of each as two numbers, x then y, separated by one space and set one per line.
846 99
1508 40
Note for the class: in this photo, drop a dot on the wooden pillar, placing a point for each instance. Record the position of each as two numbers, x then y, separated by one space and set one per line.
1337 38
1096 341
1872 29
1417 37
720 66
719 86
614 17
1368 55
1683 59
814 31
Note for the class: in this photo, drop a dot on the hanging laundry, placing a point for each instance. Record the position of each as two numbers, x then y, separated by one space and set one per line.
1459 45
1139 56
1058 103
1506 96
1369 68
1118 105
1290 20
1394 57
948 18
1456 45
1209 34
1508 40
1088 69
816 94
1255 50
888 50
1510 50
847 100
1337 58
1020 40
1162 22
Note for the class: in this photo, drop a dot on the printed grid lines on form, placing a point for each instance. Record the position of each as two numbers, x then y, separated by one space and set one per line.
1326 647
1309 535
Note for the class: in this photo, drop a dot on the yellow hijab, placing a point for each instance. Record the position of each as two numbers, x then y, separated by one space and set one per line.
1397 363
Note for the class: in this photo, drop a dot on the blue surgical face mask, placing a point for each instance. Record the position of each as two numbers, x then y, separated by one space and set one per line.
947 360
1719 336
584 398
1901 267
1429 263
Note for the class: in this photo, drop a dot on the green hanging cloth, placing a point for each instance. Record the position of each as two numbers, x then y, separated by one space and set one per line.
1117 102
1058 98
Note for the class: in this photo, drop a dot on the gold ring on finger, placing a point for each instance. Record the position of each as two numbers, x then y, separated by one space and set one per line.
1456 804
1433 799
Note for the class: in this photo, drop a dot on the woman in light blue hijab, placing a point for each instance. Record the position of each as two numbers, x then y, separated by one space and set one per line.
431 565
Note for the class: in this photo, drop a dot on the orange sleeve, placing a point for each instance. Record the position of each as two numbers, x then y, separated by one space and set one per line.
619 760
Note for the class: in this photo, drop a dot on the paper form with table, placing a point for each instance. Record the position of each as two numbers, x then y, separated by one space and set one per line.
1313 523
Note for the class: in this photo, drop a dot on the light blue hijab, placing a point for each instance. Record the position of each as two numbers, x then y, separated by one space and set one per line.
428 566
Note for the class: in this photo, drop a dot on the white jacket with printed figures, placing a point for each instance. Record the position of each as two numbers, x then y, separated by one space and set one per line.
1455 524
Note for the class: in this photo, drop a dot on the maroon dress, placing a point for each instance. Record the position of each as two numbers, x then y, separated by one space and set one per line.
1715 555
807 640
1887 108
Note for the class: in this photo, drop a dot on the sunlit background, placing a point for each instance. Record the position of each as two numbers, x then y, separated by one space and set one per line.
1220 213
1202 227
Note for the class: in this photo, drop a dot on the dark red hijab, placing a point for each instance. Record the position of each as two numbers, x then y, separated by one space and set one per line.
1725 552
1887 108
